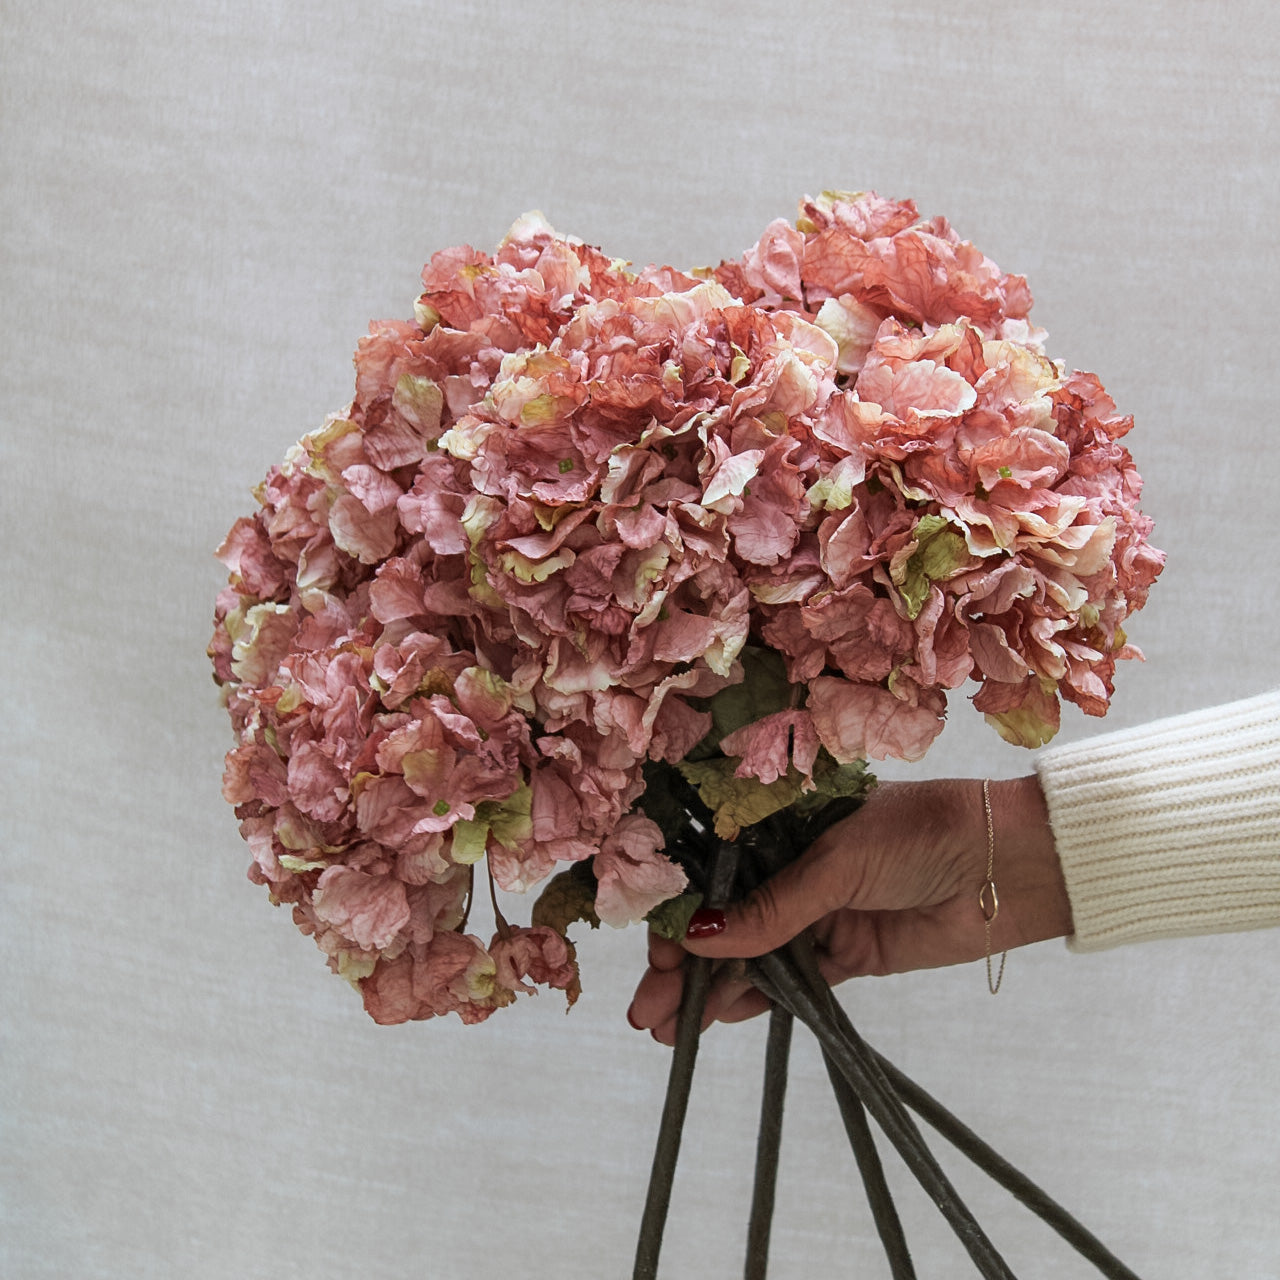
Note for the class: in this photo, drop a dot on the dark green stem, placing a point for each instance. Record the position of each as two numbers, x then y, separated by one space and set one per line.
770 857
768 1143
852 1112
1001 1171
994 1165
697 983
779 979
883 1210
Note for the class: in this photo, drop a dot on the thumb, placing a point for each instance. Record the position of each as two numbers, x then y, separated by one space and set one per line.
770 915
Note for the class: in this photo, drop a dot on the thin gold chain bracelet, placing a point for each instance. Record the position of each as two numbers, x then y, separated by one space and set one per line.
988 900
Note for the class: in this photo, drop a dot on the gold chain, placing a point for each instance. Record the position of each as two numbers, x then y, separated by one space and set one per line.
988 902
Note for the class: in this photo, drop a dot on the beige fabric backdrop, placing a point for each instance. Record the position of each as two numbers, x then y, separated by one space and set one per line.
201 207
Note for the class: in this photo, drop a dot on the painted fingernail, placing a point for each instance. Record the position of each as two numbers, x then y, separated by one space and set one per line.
706 922
631 1018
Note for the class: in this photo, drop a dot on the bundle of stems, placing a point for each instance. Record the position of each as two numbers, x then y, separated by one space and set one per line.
866 1086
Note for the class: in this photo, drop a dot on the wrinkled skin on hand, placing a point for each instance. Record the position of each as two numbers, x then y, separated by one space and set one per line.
891 888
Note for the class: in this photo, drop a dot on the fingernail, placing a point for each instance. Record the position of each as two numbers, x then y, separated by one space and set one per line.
632 1020
706 922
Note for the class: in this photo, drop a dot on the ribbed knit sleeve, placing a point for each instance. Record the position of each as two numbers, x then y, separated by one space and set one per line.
1171 828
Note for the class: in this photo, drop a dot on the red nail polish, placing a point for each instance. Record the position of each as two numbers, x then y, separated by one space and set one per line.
706 922
631 1019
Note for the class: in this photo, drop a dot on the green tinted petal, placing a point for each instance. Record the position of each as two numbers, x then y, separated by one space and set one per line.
941 551
469 840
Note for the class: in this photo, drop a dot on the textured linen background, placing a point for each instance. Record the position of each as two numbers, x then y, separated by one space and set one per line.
202 207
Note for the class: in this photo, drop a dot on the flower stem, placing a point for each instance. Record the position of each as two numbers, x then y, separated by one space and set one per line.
697 983
471 897
1002 1172
852 1112
994 1165
780 981
504 929
768 1143
770 855
883 1210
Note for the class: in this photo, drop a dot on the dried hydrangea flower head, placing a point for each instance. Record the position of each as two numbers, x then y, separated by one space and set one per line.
579 523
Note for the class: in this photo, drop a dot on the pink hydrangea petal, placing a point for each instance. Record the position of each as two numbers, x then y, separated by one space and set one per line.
732 475
538 953
773 265
398 591
316 785
632 876
454 973
369 909
388 993
376 490
766 749
993 654
917 391
360 533
857 721
246 551
255 772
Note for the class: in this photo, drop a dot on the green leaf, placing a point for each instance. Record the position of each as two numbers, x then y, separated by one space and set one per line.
840 790
506 821
574 989
739 802
509 820
568 897
836 782
670 919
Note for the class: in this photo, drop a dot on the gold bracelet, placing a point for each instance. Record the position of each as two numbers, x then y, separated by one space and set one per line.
988 902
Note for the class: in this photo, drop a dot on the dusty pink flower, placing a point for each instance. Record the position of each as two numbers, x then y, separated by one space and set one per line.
632 875
539 954
767 747
569 501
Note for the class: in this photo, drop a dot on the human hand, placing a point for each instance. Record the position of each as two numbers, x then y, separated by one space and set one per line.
893 887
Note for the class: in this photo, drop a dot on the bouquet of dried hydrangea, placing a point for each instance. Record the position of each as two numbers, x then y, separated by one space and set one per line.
600 567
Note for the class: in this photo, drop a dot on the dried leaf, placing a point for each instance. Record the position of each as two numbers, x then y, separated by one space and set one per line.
739 802
670 919
568 897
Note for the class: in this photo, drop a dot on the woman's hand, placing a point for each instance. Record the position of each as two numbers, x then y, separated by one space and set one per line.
892 887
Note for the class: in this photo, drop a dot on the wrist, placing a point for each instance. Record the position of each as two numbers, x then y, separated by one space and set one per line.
1027 872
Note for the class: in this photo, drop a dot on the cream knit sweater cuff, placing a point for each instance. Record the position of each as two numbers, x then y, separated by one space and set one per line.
1171 828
